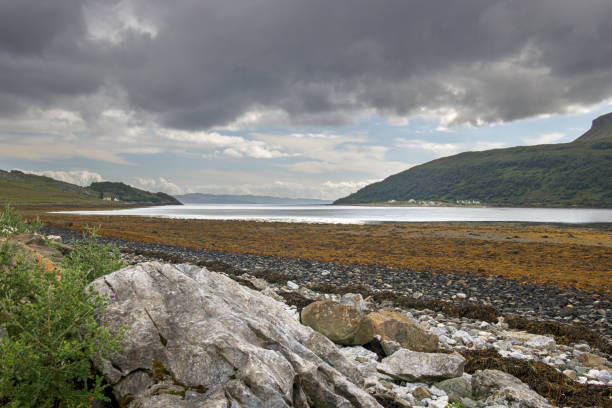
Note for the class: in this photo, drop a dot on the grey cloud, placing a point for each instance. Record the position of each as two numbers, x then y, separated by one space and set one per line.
322 62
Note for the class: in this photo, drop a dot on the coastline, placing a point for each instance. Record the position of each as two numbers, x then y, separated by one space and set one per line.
531 301
567 255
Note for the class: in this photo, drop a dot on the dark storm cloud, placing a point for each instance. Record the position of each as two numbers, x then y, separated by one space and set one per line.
320 61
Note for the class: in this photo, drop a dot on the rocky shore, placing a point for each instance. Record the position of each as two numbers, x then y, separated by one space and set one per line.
506 296
212 329
197 338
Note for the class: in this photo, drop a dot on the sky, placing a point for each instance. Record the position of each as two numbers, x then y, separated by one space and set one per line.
286 97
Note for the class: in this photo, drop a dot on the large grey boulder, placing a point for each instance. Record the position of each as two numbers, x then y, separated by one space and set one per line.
504 389
460 387
340 323
416 366
196 338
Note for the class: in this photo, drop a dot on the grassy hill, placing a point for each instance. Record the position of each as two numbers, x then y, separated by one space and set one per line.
124 192
21 188
557 175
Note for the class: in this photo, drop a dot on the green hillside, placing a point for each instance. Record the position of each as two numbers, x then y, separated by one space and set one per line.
124 192
569 174
21 188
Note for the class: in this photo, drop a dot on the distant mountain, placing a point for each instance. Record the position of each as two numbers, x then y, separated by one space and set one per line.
123 192
569 174
23 188
200 198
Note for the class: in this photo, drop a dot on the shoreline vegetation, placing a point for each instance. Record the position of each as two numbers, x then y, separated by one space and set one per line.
566 255
50 338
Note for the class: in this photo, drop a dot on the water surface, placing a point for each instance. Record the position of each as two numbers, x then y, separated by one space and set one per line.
363 214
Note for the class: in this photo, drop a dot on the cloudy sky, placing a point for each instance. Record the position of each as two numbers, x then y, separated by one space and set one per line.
290 98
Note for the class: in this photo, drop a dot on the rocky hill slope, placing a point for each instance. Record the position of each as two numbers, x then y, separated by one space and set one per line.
555 175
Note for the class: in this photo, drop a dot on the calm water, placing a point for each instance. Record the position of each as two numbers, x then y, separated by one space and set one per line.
363 215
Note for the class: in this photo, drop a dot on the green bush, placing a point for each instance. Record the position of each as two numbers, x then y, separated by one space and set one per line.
93 258
52 333
12 223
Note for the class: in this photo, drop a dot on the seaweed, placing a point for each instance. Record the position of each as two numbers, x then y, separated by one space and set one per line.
564 333
271 276
376 347
295 299
387 401
542 378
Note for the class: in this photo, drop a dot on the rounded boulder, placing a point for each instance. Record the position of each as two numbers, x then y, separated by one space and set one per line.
340 323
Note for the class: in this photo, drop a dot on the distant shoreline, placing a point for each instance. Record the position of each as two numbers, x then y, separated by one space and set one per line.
407 204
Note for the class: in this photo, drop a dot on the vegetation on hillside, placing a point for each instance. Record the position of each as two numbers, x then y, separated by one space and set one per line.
570 174
48 332
124 192
21 188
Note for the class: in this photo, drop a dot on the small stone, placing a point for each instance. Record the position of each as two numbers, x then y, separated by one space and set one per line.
571 374
582 347
441 402
461 296
260 284
600 375
354 300
542 342
464 337
292 285
421 393
591 360
390 346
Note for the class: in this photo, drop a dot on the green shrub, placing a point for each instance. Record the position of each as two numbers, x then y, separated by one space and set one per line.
11 223
53 335
93 258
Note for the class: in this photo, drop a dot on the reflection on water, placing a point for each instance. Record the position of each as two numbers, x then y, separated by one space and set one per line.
363 215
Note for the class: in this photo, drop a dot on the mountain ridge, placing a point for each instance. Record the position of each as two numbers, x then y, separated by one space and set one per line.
204 198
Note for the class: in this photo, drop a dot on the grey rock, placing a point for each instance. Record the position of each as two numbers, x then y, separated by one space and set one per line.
504 389
459 387
292 285
416 366
354 300
389 346
470 403
463 336
226 345
541 342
